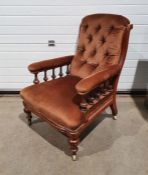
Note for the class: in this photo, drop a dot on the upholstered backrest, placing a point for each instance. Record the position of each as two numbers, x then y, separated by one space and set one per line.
99 43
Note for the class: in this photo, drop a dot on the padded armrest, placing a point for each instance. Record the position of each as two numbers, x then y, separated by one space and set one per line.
50 64
87 84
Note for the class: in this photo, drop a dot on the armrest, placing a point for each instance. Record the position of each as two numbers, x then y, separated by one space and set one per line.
89 83
50 64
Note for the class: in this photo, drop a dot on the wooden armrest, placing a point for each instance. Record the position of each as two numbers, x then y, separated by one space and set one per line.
49 64
87 84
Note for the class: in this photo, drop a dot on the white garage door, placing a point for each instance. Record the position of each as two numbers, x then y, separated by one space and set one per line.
26 26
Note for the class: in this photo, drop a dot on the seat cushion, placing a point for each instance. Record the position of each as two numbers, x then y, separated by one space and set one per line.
56 100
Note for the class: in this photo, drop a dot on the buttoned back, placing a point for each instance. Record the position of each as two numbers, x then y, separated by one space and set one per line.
99 43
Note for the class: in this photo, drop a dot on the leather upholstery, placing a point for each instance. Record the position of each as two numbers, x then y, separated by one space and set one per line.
99 43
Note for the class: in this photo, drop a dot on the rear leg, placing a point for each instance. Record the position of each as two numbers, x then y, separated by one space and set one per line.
114 110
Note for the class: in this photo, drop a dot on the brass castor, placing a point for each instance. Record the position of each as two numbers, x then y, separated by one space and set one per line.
115 117
74 157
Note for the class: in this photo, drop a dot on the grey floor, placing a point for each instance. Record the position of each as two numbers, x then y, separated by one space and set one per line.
108 147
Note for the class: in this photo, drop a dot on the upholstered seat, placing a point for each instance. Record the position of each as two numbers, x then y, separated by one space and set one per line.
47 98
87 81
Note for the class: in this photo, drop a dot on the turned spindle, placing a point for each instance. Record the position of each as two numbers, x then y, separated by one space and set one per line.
67 69
53 74
103 89
91 99
106 84
36 80
61 72
110 85
97 93
45 76
83 104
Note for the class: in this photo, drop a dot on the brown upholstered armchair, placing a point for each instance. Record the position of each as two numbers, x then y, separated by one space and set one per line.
73 99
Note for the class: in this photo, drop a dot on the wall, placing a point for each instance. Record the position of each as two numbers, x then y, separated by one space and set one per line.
26 26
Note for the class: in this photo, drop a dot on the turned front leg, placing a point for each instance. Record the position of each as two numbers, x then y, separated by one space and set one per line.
73 142
29 116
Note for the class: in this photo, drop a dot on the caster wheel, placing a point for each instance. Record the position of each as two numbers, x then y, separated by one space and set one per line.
115 117
74 157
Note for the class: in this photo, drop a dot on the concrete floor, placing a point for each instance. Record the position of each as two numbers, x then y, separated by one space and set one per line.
112 148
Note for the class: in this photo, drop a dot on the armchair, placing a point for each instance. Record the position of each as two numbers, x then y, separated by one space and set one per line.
70 101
